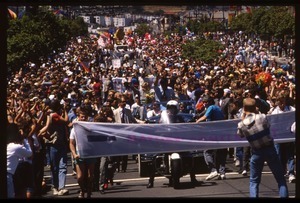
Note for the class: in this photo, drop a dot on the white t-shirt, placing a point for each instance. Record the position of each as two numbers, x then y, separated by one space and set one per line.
277 110
14 152
72 137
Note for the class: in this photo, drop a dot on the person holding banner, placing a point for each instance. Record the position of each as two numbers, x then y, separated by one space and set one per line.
123 115
104 173
256 129
213 113
285 151
84 167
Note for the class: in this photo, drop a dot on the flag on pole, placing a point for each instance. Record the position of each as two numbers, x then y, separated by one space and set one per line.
85 65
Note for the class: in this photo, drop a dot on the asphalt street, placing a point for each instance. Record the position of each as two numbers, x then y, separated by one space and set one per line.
129 184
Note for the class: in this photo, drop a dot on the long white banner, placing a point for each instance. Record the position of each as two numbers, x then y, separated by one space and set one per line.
101 139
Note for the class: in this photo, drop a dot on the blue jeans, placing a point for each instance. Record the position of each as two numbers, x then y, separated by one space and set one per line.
10 186
58 160
239 155
259 156
286 152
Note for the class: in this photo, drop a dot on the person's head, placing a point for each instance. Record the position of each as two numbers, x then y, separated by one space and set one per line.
181 106
111 94
156 105
249 105
226 92
13 134
122 101
82 114
55 105
172 107
281 102
207 101
164 83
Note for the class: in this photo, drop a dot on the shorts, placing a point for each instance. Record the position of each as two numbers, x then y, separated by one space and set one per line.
86 160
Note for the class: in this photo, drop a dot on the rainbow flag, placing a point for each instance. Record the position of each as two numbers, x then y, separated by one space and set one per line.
85 65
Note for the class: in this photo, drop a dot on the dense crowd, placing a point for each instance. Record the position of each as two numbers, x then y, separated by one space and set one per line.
63 85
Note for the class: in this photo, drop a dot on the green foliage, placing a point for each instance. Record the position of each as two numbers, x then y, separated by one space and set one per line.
203 25
201 49
242 23
37 35
281 22
266 21
142 29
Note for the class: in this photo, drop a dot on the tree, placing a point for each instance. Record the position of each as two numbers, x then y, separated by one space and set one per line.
37 34
201 49
281 22
142 29
241 23
266 22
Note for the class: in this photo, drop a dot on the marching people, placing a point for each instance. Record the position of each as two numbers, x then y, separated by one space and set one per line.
51 80
16 149
124 115
57 128
286 151
105 166
215 159
84 166
256 129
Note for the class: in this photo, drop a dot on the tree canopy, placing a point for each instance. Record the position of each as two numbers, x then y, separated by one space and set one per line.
37 35
202 49
266 21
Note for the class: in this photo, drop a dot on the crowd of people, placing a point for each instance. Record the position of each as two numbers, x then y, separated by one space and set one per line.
43 99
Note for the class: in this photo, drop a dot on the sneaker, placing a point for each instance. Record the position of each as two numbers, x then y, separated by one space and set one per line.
55 191
212 175
63 192
237 163
292 178
244 173
81 195
287 174
101 189
222 177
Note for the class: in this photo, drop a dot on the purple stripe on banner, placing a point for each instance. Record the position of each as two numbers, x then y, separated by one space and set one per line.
100 139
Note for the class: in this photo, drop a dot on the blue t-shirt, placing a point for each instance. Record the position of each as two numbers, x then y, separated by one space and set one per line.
214 113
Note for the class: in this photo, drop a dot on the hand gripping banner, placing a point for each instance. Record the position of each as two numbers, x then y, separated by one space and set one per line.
96 139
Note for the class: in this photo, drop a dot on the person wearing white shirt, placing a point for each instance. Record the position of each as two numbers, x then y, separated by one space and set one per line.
15 150
286 151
